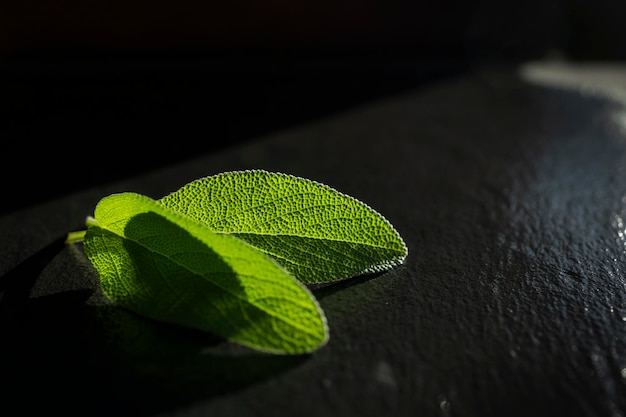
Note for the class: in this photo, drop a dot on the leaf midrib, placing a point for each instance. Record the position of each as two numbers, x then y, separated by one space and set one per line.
310 237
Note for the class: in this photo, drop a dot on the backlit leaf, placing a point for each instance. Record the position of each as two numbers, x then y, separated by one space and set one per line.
173 268
314 231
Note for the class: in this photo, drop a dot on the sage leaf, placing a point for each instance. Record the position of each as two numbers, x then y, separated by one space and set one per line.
170 267
317 233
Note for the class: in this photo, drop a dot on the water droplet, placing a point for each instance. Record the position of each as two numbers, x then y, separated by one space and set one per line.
384 374
444 405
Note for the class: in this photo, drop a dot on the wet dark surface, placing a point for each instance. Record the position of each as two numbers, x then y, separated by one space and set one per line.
511 198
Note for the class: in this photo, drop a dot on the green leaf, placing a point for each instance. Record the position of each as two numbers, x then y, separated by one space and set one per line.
314 231
172 268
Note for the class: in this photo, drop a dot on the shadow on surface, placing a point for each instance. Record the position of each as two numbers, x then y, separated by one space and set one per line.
22 277
323 290
62 354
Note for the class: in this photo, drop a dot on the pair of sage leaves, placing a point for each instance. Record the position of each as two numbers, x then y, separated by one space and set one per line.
235 254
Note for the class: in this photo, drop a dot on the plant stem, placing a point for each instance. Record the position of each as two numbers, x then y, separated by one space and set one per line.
78 236
74 237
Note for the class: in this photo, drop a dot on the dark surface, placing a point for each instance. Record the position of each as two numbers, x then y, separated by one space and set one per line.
512 302
510 196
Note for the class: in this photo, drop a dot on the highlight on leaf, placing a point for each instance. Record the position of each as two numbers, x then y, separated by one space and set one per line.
232 254
168 267
317 233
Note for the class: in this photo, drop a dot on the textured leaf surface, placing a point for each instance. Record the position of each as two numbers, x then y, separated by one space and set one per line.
314 231
165 266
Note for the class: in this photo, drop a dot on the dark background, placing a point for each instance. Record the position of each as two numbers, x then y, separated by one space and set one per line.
94 92
510 196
